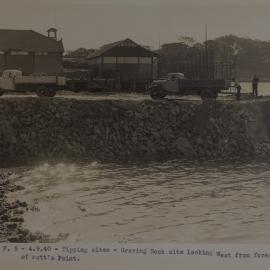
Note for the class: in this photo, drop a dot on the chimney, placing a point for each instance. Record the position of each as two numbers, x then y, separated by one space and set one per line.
52 33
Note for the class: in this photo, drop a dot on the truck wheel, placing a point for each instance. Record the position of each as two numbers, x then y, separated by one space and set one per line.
52 92
206 94
73 88
43 91
157 92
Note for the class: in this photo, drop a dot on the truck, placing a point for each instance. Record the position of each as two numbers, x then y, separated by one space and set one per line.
43 85
178 84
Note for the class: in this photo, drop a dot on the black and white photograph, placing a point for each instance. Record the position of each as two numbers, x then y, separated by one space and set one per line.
135 121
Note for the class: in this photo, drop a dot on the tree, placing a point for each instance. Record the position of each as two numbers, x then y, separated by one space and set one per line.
189 41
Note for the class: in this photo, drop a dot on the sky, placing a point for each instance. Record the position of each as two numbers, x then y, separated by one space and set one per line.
93 23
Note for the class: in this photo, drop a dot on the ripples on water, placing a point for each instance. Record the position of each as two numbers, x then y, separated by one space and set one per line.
158 202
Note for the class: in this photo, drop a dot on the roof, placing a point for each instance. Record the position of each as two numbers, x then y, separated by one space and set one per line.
29 41
126 43
52 29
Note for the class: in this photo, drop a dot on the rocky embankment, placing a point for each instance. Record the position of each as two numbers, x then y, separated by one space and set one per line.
12 227
32 128
11 216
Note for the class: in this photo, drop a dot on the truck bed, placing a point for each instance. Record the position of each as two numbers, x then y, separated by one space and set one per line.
40 80
201 84
35 79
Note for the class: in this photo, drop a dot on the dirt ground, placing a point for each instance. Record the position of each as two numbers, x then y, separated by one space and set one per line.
134 96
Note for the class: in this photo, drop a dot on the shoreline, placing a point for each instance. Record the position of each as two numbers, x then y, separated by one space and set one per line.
11 216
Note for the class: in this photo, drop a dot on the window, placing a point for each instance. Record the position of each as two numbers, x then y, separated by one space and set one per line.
145 60
41 53
18 53
127 60
109 60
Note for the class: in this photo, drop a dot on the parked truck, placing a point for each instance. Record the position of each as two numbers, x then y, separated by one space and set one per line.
45 85
42 84
177 84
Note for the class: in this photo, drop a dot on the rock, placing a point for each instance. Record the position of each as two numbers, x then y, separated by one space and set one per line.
4 218
184 146
16 239
23 204
11 226
17 219
23 232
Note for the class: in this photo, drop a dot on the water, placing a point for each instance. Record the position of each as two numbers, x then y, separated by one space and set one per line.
176 201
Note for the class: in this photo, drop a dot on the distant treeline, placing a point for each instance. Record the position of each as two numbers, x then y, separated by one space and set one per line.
226 56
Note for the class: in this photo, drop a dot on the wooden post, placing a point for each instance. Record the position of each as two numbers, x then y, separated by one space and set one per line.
152 67
5 60
34 62
138 67
101 66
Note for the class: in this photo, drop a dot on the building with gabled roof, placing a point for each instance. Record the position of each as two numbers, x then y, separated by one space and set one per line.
31 52
131 64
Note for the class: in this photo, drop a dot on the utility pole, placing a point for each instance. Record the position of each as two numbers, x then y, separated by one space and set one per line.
158 60
206 53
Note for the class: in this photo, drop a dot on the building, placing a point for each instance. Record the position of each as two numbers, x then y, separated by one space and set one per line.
31 52
131 65
77 61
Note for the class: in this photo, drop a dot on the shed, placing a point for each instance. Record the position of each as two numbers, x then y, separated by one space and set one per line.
131 64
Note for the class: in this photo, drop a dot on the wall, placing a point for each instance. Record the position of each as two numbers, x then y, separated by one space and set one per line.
2 63
50 64
35 128
25 63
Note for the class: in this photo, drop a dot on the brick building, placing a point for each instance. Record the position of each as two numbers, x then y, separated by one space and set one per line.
31 52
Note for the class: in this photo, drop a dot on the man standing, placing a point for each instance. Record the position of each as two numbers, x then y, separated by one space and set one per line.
238 88
255 82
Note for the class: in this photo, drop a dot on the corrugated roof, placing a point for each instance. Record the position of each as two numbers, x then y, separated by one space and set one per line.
107 47
29 41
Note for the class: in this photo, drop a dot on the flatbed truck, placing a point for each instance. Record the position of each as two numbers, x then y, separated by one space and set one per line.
43 85
177 84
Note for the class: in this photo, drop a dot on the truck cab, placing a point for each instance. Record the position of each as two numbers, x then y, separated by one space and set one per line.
174 76
160 87
8 78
